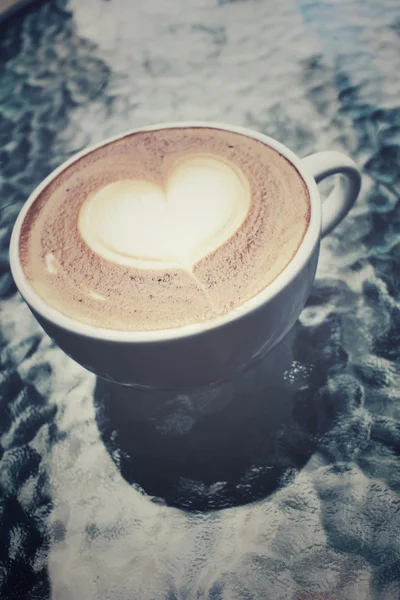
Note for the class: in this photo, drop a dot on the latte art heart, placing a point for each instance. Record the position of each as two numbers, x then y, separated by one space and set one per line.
137 223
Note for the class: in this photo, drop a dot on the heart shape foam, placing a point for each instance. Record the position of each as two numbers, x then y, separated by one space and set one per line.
137 223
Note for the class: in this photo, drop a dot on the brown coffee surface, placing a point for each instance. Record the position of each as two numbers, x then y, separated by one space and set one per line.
80 283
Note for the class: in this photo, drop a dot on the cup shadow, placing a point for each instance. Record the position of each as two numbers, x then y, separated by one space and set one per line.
219 447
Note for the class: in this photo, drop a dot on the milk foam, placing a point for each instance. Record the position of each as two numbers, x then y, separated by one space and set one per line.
163 229
51 263
138 223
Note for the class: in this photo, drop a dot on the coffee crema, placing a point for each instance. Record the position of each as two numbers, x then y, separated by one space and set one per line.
165 228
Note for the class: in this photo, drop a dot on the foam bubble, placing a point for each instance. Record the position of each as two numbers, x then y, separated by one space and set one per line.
97 296
51 263
138 223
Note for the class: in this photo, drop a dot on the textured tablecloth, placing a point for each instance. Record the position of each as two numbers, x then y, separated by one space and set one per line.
283 483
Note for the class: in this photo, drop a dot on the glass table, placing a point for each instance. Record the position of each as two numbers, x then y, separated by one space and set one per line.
284 482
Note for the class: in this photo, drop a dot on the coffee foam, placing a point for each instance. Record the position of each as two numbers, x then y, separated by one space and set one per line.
137 223
88 254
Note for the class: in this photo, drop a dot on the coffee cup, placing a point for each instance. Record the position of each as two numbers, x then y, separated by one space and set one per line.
201 353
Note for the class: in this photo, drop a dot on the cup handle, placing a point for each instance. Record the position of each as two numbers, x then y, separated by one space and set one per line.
336 206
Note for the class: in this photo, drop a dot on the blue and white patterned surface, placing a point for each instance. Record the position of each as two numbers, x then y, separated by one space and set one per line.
285 482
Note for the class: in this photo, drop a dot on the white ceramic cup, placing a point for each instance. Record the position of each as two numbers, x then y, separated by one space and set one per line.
202 353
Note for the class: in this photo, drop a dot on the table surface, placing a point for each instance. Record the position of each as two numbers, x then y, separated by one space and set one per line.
284 482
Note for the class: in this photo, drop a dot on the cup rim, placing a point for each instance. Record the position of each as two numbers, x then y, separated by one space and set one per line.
299 260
